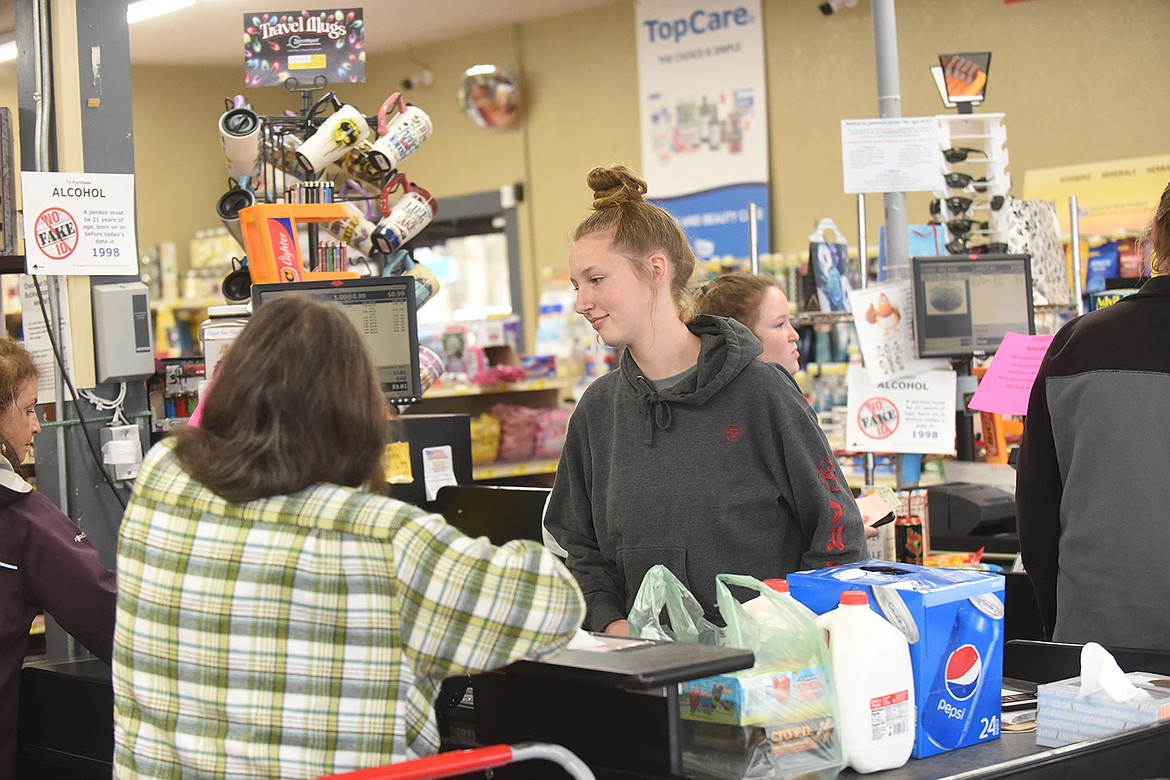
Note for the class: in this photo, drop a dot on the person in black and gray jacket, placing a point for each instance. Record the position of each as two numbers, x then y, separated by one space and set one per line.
46 563
694 453
1094 465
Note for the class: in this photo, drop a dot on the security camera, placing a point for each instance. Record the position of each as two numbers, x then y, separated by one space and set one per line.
421 79
836 5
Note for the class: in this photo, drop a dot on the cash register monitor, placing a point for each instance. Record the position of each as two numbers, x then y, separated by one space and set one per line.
383 309
963 306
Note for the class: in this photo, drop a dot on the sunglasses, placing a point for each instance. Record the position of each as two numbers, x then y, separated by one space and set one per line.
960 153
961 227
956 204
960 246
961 181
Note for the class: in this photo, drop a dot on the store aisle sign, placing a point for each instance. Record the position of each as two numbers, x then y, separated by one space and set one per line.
891 155
704 117
909 414
79 224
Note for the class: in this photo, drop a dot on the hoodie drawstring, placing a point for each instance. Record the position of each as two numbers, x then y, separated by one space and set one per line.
657 410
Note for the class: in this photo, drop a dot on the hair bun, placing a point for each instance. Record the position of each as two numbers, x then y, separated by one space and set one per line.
614 186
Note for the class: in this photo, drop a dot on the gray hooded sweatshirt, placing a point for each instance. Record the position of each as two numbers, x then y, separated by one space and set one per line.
726 472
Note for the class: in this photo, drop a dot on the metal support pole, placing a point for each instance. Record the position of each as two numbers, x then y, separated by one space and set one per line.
885 40
754 237
863 261
1074 223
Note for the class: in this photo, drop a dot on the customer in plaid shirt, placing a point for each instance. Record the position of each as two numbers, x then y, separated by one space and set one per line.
278 617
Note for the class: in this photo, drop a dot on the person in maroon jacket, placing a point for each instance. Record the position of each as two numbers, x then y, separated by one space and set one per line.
46 564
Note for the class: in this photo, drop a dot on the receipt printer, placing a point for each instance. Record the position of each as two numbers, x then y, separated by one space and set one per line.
967 509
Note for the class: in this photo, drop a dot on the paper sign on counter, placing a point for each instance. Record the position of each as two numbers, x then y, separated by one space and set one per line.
1008 382
910 414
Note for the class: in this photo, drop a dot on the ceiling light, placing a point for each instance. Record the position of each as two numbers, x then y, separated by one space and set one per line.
135 12
148 9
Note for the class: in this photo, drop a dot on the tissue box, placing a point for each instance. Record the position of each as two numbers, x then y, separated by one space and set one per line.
953 620
1062 718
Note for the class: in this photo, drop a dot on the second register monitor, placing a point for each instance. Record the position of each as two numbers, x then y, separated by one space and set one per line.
963 306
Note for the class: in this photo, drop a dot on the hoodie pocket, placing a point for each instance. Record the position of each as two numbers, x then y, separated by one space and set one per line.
636 561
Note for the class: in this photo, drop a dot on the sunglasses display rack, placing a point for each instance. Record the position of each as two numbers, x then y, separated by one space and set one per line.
973 183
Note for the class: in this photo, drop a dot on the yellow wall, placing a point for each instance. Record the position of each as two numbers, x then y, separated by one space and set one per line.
1078 80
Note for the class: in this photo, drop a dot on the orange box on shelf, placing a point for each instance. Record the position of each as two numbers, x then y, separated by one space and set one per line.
270 239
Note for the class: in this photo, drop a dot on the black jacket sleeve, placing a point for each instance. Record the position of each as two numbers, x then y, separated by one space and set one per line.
65 577
1038 495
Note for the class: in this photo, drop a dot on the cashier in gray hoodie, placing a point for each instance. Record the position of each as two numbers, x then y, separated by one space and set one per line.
725 472
693 453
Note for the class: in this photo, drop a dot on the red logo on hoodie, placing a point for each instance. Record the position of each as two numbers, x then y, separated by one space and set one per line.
732 431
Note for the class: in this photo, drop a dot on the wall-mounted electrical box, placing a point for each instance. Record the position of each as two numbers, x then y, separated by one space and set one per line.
121 332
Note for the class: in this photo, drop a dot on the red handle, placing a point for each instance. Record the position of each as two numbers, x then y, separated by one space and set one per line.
440 765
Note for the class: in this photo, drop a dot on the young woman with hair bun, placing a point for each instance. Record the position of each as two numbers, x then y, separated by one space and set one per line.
692 453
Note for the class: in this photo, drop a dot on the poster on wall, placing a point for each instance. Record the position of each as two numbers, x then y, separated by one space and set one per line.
79 224
304 46
704 118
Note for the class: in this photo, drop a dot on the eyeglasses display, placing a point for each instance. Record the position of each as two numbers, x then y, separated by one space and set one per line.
959 154
961 227
963 246
962 181
958 205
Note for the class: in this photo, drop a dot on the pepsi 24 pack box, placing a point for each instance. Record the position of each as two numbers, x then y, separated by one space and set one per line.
953 621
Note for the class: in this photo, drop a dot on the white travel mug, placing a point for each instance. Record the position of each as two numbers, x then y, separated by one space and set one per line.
401 136
228 209
344 129
406 219
355 230
239 135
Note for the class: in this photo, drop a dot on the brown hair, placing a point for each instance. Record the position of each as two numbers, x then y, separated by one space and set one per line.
1157 236
734 295
16 368
296 401
639 229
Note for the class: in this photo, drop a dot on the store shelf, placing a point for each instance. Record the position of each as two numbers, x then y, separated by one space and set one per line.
458 391
502 470
12 264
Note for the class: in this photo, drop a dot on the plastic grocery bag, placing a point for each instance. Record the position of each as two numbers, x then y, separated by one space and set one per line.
777 720
661 591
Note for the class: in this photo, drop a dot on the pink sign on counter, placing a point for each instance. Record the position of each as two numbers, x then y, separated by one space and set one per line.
1008 382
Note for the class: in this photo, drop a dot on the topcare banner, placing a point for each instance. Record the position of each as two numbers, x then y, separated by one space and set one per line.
704 118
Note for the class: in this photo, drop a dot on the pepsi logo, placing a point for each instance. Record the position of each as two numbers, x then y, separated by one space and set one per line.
964 667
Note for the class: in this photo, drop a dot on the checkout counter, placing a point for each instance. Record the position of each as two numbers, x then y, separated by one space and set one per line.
615 710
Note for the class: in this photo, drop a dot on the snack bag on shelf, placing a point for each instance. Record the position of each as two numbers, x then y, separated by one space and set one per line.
551 427
485 439
517 431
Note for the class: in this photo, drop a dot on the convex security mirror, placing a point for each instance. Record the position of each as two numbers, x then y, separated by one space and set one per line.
489 95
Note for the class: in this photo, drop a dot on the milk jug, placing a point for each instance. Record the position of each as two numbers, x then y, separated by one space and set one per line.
874 684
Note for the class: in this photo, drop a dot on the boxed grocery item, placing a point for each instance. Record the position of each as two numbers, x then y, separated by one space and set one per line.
758 720
1063 716
953 620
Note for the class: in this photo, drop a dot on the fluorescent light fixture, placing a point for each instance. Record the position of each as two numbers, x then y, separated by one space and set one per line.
148 9
135 12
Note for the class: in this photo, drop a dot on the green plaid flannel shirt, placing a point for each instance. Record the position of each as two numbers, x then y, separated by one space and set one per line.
306 635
